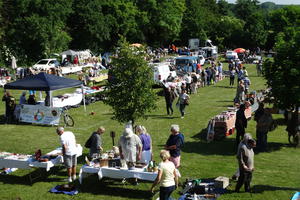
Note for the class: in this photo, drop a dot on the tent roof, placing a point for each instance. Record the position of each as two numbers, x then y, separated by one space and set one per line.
69 52
43 82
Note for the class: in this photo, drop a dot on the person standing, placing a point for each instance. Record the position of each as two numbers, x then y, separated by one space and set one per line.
130 147
169 97
240 92
10 105
183 102
263 126
96 142
174 144
259 67
245 159
247 137
240 124
146 156
188 81
231 77
22 98
69 151
167 177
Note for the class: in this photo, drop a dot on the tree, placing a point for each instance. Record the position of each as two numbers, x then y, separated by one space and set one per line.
228 31
199 20
130 94
97 24
244 8
162 20
34 29
283 74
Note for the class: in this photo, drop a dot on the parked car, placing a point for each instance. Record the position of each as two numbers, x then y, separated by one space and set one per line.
46 64
231 55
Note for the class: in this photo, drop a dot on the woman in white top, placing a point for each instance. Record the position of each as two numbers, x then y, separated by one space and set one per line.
167 176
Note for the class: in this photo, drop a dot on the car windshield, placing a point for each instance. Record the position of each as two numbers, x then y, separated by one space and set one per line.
42 62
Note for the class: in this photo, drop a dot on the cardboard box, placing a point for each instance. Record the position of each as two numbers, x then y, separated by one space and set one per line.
221 182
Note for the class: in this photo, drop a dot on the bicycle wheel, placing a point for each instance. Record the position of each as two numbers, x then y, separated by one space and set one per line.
68 120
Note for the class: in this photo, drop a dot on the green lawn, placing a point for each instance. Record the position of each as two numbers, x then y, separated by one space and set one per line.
276 176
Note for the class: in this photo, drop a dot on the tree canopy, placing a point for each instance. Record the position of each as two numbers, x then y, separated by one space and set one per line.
34 29
130 94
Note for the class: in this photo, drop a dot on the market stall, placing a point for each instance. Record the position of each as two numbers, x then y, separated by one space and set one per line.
116 173
23 161
44 111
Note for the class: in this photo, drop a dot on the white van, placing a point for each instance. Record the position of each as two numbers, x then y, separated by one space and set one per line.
161 71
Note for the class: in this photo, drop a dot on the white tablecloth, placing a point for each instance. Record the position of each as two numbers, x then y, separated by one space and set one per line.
115 173
28 161
67 100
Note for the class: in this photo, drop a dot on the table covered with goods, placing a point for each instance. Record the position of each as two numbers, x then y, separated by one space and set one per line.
223 125
23 161
110 166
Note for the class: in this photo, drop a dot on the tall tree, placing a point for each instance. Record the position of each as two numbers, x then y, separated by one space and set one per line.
283 73
97 24
163 20
199 20
130 94
244 8
36 28
279 20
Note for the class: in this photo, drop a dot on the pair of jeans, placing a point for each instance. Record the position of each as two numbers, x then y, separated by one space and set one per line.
182 108
244 179
165 192
169 107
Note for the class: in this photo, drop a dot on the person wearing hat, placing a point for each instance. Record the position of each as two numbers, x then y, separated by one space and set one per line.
69 150
245 159
130 147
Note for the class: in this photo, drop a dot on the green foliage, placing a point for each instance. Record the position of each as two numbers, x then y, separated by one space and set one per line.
96 24
283 74
229 31
130 94
244 8
162 21
35 29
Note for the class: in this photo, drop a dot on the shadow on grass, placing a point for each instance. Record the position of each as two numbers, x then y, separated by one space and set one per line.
221 86
115 188
221 146
262 188
162 116
38 175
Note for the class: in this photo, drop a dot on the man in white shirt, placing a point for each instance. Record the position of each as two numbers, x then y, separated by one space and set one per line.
69 150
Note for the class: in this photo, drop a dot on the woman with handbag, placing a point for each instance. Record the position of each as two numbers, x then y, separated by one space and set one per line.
183 101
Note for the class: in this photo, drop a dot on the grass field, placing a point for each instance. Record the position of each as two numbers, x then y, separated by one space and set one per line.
276 176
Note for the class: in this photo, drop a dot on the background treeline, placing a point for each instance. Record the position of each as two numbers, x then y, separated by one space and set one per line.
34 29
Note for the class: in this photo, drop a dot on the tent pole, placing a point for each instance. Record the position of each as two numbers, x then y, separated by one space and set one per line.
50 98
83 98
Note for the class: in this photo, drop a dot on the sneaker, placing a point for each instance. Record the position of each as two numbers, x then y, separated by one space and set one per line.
74 177
70 180
182 117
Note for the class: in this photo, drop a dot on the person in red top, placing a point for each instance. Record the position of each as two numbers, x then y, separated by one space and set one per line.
198 68
75 61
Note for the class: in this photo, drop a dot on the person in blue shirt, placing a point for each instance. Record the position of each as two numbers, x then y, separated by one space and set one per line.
174 144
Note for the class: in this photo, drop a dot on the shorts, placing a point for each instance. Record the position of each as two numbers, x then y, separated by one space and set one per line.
175 160
70 161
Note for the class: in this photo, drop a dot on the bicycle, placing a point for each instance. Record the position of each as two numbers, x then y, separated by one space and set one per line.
68 120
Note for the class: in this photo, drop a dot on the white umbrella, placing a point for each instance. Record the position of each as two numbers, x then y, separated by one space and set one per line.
13 62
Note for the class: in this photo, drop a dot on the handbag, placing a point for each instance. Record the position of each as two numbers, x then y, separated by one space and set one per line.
186 102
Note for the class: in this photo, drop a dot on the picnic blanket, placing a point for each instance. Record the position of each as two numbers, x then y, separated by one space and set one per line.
59 190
